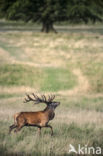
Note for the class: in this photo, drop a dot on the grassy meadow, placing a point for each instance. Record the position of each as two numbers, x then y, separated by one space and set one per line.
67 64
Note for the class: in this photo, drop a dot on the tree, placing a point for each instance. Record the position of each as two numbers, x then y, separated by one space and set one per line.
44 11
49 11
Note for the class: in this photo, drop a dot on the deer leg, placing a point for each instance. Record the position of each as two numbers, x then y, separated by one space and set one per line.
39 131
50 128
18 129
12 127
20 124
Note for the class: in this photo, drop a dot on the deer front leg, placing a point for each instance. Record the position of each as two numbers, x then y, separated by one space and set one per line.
39 131
18 129
49 126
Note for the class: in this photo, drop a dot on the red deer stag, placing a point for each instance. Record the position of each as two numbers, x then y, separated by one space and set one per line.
38 119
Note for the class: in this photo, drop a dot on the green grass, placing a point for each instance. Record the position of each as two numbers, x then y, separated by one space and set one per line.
46 79
19 75
58 79
20 25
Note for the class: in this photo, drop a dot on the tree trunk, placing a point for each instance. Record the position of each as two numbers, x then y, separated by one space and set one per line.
48 27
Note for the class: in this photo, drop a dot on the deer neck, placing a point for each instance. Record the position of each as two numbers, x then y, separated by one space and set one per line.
49 111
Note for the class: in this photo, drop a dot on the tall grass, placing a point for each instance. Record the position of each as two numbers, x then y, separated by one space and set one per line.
27 142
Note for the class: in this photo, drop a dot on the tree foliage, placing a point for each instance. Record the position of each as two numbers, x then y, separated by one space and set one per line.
85 10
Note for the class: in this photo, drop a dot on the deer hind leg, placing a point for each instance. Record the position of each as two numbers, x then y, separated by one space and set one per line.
15 122
20 124
49 126
12 127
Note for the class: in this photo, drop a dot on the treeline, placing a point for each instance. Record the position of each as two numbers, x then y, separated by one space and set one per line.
50 11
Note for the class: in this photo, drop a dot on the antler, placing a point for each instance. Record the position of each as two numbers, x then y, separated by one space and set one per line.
38 99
